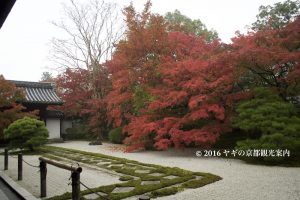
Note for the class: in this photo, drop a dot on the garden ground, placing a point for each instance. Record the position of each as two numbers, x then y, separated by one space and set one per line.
239 180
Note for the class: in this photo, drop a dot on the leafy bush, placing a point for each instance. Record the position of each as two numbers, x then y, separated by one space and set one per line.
26 133
273 142
270 122
116 136
76 133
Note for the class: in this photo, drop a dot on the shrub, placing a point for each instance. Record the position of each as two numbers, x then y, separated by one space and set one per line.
26 133
272 142
75 133
271 123
116 136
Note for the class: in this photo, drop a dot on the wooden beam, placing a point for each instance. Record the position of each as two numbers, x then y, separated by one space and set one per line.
60 165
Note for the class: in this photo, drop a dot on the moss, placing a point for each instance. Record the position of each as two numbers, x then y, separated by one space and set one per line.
53 157
206 179
106 189
150 178
126 178
185 178
164 192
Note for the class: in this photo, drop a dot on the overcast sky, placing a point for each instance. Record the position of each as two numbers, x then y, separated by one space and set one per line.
26 33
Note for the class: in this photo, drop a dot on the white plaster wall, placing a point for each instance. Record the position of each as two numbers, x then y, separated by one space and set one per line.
53 126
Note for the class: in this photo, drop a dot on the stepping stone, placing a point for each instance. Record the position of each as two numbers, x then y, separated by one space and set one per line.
116 165
142 171
103 163
149 182
198 177
171 177
156 174
130 166
122 189
94 195
140 197
131 198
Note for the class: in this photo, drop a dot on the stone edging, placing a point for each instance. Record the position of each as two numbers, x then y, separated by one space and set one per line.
17 188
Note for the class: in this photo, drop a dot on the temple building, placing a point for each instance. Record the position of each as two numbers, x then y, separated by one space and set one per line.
38 96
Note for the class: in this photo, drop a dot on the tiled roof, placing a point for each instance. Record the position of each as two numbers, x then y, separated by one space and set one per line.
36 92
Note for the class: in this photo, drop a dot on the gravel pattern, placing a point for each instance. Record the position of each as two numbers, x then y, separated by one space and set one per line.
240 180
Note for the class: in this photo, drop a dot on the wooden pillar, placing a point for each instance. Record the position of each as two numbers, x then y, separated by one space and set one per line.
5 159
43 171
20 166
75 185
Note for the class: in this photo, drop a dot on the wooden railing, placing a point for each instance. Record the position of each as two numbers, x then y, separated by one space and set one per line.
75 173
75 176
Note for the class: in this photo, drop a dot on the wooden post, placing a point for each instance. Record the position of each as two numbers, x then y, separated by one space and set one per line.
75 185
5 159
75 176
43 170
20 166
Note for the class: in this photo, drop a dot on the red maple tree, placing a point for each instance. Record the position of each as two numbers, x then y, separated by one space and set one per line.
74 88
269 58
135 61
83 97
184 81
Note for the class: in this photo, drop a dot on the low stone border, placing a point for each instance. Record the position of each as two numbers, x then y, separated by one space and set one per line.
17 188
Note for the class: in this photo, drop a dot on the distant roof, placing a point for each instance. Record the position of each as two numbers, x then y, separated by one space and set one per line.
36 92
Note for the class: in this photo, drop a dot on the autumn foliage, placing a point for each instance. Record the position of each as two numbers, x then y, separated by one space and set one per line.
82 100
176 89
270 58
73 88
10 107
178 82
167 88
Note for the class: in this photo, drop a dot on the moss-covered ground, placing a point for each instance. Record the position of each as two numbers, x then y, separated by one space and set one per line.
141 178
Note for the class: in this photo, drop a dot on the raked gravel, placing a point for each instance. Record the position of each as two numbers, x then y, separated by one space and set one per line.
240 181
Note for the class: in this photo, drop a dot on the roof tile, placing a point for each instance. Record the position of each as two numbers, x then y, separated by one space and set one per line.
38 92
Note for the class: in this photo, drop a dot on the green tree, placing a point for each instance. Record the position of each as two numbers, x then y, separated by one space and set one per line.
26 133
116 136
276 16
47 77
179 22
270 122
